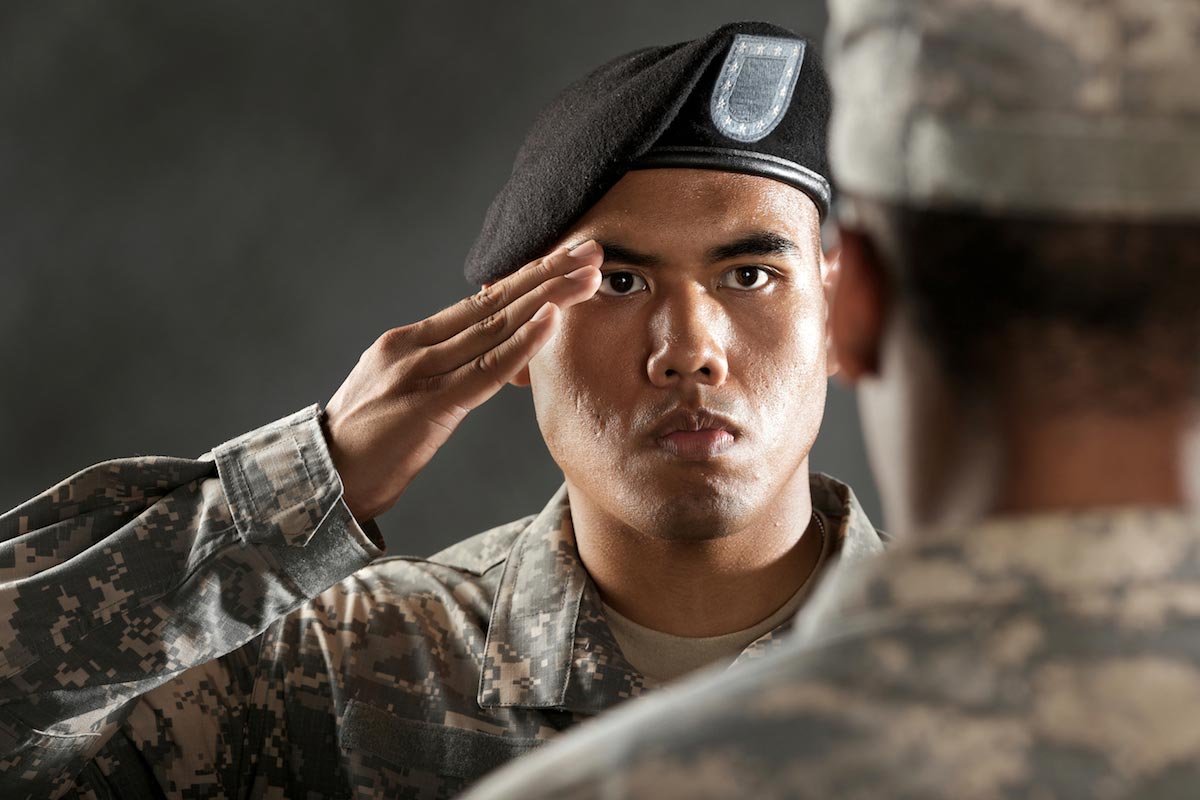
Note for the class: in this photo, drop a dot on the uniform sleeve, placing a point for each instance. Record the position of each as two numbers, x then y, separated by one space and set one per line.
135 573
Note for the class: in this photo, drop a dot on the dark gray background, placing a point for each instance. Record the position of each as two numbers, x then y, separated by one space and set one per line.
208 210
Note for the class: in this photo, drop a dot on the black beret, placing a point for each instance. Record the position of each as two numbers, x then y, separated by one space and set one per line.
749 97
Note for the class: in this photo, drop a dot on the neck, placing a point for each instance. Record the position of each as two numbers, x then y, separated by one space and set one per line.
947 460
1033 464
1093 460
695 586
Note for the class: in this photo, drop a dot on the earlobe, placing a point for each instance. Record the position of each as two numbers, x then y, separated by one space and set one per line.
858 312
521 378
832 367
831 260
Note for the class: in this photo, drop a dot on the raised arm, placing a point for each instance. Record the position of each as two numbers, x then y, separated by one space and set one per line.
133 571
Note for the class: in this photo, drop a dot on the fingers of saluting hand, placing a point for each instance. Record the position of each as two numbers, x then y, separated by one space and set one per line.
412 388
474 383
471 330
485 319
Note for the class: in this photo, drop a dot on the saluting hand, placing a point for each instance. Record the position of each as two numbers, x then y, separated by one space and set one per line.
415 384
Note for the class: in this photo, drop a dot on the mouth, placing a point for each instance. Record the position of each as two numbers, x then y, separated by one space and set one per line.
695 434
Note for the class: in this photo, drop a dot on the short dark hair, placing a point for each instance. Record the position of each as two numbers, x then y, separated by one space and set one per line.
1103 312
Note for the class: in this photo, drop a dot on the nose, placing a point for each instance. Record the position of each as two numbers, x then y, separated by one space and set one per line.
688 333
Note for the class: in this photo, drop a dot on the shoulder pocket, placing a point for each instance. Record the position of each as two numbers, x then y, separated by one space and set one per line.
453 752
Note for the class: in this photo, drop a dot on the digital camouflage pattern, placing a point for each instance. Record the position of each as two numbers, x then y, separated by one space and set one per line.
1022 657
1080 106
1039 657
211 628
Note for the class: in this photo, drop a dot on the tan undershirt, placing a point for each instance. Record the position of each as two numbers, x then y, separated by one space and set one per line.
663 657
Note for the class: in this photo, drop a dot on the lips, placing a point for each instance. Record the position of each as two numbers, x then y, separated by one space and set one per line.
695 434
697 445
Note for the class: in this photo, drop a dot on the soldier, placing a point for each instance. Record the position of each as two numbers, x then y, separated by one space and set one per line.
1020 305
211 627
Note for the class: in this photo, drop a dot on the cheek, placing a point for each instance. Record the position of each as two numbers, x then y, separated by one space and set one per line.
783 367
577 380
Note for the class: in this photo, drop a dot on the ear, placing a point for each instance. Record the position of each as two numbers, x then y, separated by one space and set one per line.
858 313
521 378
830 271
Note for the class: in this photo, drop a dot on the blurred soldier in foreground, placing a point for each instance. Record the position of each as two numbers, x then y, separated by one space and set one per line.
167 626
1020 307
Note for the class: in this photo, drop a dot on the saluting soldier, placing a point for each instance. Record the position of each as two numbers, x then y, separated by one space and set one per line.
223 626
1020 305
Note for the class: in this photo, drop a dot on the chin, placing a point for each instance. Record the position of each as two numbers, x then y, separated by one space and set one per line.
713 510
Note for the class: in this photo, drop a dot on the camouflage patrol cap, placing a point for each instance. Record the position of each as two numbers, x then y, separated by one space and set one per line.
750 97
1042 106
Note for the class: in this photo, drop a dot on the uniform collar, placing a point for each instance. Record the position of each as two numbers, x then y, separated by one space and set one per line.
549 644
854 539
1053 555
1098 562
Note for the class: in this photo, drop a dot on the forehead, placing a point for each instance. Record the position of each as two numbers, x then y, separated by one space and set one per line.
682 207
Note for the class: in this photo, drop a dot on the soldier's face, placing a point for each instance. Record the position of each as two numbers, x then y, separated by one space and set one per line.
711 314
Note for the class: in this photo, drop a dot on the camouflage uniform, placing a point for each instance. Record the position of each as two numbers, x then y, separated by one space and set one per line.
1044 657
211 627
1019 657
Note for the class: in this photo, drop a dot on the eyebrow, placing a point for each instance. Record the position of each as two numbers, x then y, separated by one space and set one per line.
627 255
758 243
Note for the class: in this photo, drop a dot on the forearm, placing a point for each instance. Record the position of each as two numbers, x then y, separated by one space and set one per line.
136 570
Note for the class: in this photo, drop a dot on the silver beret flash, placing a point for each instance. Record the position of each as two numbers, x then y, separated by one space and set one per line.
1042 106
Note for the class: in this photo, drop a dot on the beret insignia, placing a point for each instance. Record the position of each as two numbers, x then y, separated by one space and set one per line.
755 85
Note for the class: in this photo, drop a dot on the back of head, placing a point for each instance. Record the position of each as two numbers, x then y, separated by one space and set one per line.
1030 173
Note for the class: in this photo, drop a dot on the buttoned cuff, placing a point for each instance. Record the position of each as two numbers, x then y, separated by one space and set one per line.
283 492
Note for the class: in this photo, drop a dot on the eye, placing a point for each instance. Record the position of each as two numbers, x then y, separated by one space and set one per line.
622 283
745 278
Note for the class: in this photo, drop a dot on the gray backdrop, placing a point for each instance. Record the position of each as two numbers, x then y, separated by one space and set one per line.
208 210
